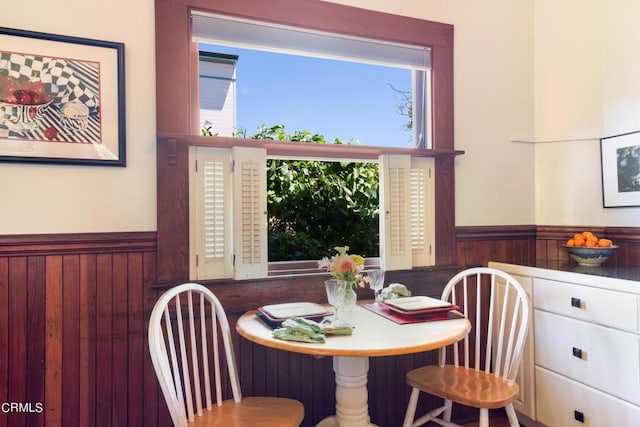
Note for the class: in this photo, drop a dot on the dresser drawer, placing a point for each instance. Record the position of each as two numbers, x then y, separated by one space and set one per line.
561 402
602 306
604 358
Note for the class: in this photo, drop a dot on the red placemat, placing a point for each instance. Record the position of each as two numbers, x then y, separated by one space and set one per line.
415 318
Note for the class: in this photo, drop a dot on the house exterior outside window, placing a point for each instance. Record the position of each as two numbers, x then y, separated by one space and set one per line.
217 79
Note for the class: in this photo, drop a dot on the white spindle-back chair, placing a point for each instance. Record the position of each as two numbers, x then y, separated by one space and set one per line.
189 333
479 370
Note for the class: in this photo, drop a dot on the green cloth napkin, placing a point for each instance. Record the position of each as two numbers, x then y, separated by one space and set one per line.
337 329
299 329
394 290
305 330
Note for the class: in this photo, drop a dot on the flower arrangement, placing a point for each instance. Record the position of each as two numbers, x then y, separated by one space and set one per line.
344 266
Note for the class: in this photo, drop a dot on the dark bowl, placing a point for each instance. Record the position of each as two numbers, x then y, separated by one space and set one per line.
590 256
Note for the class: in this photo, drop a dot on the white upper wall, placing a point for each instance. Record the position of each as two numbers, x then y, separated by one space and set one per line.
621 85
511 62
76 199
586 87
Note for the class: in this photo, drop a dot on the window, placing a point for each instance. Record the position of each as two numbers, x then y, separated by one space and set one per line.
219 76
177 126
342 87
228 192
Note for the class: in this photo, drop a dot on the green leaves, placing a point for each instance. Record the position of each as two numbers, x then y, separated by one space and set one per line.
314 206
319 205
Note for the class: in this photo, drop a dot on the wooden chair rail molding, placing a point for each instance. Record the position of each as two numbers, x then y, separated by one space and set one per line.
47 244
495 232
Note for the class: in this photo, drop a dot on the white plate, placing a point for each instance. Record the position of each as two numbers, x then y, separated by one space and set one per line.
417 303
294 309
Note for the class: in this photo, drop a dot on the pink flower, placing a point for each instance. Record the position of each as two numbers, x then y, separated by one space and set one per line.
344 266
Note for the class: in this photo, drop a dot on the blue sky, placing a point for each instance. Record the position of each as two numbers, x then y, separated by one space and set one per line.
338 99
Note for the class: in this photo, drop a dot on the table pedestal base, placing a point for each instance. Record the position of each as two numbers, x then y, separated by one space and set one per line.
352 409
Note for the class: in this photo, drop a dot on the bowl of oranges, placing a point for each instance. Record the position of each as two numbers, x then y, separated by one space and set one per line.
588 249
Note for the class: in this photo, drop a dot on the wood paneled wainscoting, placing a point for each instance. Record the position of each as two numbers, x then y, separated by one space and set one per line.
524 244
73 335
73 322
74 312
478 245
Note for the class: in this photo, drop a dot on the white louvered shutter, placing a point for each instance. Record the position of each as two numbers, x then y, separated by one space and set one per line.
395 196
210 240
422 212
250 212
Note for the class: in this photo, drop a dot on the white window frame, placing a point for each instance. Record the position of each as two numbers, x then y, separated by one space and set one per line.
407 227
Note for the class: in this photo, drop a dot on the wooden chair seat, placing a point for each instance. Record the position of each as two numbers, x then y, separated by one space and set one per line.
480 370
466 386
254 412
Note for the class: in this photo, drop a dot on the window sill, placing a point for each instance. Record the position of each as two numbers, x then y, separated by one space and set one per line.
303 149
285 269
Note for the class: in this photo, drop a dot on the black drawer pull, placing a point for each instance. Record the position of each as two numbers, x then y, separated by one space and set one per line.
579 416
577 352
575 302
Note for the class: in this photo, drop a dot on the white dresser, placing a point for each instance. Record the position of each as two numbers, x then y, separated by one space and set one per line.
582 361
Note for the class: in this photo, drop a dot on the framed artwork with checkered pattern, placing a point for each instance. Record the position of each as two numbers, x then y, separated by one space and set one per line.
62 99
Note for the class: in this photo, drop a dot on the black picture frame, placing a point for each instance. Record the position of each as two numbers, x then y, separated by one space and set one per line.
62 99
620 157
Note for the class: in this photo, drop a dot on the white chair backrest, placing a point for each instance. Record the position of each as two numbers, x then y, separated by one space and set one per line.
498 308
185 329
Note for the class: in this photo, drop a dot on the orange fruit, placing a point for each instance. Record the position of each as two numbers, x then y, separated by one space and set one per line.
570 242
604 243
578 240
586 234
591 243
593 239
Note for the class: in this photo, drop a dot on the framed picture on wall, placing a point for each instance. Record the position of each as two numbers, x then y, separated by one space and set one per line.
621 170
62 99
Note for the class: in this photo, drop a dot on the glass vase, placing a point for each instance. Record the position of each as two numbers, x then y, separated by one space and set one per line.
350 298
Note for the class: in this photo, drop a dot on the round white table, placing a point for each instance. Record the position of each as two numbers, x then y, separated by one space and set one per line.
373 335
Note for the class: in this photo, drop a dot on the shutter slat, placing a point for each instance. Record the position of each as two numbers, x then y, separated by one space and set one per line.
418 231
